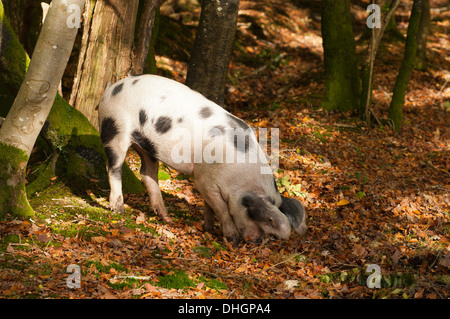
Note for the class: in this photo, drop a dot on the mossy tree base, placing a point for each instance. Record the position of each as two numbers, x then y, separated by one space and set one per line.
13 198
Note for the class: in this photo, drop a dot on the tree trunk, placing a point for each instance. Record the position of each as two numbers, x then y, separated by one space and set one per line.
343 88
398 96
208 65
25 19
13 63
33 104
106 53
422 36
367 66
145 34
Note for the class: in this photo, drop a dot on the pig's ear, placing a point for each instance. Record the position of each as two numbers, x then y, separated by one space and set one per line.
293 210
256 207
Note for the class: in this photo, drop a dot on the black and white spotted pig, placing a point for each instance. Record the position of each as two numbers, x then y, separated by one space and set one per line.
163 120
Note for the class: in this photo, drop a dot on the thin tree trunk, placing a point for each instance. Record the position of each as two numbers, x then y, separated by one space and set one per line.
398 96
422 37
32 105
208 65
144 38
367 67
106 54
343 87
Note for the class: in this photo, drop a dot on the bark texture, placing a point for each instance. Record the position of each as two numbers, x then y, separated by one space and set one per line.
398 96
367 66
422 37
106 53
208 65
343 86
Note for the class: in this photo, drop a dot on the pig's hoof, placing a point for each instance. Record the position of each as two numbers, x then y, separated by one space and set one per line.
119 209
163 214
116 204
235 239
207 227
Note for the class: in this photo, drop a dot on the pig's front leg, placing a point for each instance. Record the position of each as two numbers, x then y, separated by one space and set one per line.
220 208
149 175
208 219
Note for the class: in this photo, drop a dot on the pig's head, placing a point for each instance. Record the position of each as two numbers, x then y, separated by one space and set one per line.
263 212
295 213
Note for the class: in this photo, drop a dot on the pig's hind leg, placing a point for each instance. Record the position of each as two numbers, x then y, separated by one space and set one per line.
149 175
115 153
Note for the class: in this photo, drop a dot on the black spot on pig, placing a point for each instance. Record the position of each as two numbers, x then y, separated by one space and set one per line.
142 117
293 210
256 207
241 140
117 89
275 185
217 130
112 162
180 120
205 112
235 122
145 144
117 171
108 130
163 124
135 81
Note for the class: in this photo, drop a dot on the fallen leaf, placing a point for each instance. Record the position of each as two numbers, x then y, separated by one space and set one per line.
290 284
343 202
99 239
10 249
140 219
43 238
396 256
419 294
445 262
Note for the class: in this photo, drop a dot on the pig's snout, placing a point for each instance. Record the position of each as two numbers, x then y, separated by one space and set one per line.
283 230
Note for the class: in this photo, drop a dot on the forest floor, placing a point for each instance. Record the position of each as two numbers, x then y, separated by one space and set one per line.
373 196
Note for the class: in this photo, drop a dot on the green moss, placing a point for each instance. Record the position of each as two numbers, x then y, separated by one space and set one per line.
163 175
43 179
213 283
204 251
13 65
105 268
177 280
13 198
